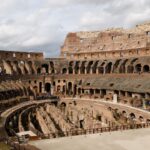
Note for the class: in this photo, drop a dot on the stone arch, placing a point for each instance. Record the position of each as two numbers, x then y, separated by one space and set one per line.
138 68
79 91
91 91
70 70
132 116
122 68
146 68
31 67
64 89
124 113
45 68
31 91
75 90
94 68
48 87
64 71
35 89
130 69
101 69
70 86
108 67
141 119
115 66
52 67
76 68
147 120
82 68
7 67
58 88
63 106
38 70
19 71
26 65
89 67
40 87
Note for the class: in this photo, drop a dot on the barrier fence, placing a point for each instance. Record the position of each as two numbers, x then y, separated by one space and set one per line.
74 132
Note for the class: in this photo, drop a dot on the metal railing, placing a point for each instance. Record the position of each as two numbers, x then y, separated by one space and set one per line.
75 132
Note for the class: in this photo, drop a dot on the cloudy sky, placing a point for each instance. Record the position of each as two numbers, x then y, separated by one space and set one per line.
41 25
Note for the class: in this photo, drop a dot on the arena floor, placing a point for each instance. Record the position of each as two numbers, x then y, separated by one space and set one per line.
126 140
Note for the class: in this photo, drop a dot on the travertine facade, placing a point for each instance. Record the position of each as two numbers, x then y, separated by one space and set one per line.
104 70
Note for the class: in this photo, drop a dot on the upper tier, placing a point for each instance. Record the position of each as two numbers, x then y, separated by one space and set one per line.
115 39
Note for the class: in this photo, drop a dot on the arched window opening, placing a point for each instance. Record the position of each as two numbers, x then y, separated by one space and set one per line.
89 66
108 67
138 68
48 87
70 88
38 70
70 70
45 68
130 69
145 68
64 71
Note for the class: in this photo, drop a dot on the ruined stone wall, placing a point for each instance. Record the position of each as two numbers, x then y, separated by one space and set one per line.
116 40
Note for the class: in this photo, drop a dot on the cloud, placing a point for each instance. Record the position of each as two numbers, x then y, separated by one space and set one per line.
32 25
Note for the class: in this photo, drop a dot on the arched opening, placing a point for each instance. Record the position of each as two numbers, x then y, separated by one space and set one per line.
124 113
141 119
35 89
148 121
138 68
8 69
101 68
58 88
79 91
116 66
31 67
18 68
82 68
52 68
48 88
103 93
25 70
76 67
40 87
130 69
45 68
75 90
122 68
70 88
63 106
64 71
94 67
108 67
30 91
91 91
132 116
145 68
70 70
38 70
89 66
64 89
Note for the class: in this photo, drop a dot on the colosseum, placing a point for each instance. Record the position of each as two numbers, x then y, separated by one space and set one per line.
100 83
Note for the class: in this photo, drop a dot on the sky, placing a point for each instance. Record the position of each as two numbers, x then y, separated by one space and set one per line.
42 25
